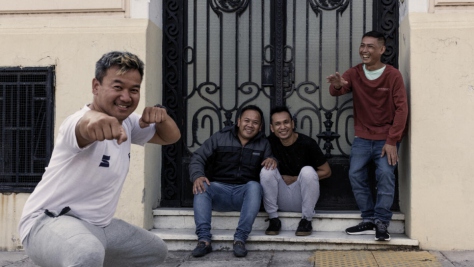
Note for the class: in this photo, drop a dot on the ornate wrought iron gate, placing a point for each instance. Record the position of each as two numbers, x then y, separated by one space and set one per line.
219 55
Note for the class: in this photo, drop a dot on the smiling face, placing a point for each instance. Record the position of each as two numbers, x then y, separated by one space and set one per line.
371 51
118 94
249 125
282 125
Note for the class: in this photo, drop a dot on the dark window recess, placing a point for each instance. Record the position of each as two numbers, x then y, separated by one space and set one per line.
26 126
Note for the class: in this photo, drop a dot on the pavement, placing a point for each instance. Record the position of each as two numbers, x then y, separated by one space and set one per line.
363 258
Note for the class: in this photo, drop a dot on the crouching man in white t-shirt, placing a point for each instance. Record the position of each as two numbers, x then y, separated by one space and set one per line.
68 219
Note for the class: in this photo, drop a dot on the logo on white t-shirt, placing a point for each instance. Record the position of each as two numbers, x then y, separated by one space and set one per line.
105 161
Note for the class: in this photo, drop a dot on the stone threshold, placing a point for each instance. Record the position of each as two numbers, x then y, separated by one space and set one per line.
319 214
185 239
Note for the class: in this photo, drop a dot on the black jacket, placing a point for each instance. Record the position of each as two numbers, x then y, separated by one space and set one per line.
223 159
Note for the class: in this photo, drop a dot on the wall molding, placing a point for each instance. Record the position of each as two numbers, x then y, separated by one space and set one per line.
61 6
451 6
453 2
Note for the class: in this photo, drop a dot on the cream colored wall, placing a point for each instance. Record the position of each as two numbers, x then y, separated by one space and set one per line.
145 193
404 165
437 56
10 212
73 45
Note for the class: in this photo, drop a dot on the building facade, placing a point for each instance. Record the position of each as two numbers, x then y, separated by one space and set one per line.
435 37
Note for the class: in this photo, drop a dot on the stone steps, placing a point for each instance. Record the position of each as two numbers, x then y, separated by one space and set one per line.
176 226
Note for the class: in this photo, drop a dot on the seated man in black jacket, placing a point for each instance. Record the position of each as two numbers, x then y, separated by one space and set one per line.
225 175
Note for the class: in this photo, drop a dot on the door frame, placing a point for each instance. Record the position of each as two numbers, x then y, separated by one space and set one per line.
385 19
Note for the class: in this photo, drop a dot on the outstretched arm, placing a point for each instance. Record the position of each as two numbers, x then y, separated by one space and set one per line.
337 83
98 126
336 80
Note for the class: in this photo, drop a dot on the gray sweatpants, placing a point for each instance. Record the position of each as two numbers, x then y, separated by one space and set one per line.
300 196
68 241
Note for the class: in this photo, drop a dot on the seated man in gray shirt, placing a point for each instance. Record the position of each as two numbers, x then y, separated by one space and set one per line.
294 186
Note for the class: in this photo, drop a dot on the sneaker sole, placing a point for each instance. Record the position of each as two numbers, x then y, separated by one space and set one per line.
382 239
303 233
272 232
367 232
240 255
202 255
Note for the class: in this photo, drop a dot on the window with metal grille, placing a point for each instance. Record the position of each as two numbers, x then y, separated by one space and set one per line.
26 126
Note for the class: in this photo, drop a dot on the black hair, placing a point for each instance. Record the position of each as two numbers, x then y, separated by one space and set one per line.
279 109
125 61
375 34
252 107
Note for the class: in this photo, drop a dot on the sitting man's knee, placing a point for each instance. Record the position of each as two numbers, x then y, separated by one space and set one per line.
160 250
254 187
86 256
266 174
308 172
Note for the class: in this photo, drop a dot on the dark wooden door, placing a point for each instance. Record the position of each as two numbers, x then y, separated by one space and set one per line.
221 55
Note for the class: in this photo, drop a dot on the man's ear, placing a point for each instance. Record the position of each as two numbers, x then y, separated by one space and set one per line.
271 128
95 86
238 122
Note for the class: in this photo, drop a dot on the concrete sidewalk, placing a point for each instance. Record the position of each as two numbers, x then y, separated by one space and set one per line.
296 259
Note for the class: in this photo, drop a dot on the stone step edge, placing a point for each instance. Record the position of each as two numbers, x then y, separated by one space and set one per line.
289 237
320 214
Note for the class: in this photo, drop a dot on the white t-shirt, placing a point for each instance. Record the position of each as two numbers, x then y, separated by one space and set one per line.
373 74
88 180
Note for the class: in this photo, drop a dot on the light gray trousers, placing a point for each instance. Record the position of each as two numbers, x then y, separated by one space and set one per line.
300 196
68 241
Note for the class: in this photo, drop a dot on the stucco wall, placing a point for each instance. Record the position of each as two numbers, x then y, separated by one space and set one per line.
404 169
439 195
145 193
73 45
10 211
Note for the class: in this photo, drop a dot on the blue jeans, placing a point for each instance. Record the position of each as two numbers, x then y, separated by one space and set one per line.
245 198
362 152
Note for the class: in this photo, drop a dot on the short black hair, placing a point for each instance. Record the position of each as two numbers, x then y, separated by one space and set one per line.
252 107
125 61
279 109
375 34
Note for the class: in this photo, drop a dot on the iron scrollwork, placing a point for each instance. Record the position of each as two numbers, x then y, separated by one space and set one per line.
229 6
177 56
172 84
328 136
386 21
318 5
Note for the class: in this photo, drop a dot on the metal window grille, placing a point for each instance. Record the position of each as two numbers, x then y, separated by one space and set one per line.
26 126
